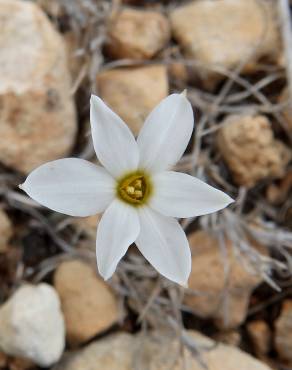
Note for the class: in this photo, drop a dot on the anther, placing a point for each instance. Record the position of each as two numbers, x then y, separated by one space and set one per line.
138 193
130 189
138 184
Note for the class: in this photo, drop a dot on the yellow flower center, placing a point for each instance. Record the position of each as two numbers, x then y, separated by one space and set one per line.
134 188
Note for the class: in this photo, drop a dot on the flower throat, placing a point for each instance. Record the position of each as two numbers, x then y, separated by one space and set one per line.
134 188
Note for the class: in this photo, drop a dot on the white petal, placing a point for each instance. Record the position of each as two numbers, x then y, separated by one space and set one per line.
163 243
166 133
72 186
181 195
117 229
114 144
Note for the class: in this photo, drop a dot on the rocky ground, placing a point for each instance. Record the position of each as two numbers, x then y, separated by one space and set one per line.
233 57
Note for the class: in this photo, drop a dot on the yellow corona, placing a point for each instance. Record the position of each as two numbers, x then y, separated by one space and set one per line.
135 188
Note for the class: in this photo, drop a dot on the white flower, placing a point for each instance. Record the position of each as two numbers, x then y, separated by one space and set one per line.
135 189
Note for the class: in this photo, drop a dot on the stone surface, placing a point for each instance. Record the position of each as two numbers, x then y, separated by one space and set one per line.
261 337
37 114
283 334
248 146
76 60
249 34
113 352
133 92
278 193
178 73
157 352
137 34
287 111
208 280
88 304
32 325
5 230
231 337
215 356
53 8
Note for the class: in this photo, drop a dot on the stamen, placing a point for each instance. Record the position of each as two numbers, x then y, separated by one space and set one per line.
130 190
138 184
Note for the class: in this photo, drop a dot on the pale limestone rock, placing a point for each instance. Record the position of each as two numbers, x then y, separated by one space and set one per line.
5 231
37 114
178 73
133 92
261 337
76 60
216 356
231 337
208 279
137 34
32 325
225 33
88 304
157 351
113 352
53 8
283 334
248 146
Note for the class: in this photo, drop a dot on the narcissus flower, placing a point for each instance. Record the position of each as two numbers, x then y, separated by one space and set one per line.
135 188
